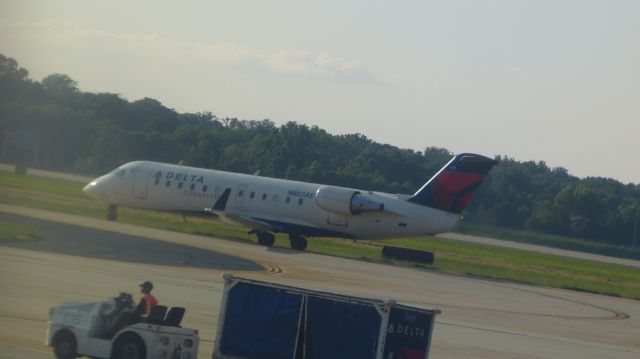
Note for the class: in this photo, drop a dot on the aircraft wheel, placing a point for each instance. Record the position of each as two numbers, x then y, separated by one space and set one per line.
298 242
266 239
112 212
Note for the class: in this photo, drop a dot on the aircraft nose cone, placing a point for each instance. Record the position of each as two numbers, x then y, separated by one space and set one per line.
90 190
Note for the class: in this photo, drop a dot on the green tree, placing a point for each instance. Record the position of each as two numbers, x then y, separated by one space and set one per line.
95 132
629 212
60 83
15 84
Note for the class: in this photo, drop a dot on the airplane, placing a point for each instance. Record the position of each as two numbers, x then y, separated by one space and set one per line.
300 209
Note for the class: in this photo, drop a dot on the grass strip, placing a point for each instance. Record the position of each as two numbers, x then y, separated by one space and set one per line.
10 231
528 267
549 240
451 256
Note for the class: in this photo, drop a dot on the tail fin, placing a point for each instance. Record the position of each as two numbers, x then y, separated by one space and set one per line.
455 184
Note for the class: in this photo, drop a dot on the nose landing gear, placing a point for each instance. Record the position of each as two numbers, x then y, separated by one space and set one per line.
112 212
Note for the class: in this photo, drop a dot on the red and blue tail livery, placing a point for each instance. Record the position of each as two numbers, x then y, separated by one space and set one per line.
455 184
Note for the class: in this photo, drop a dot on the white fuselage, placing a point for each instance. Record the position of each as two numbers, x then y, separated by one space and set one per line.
263 203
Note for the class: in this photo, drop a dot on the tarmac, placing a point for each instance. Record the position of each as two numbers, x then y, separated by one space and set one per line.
89 259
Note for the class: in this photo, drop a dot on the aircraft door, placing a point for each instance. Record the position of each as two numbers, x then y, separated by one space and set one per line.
142 177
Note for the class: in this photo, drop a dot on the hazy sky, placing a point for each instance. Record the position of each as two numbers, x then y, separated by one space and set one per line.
557 81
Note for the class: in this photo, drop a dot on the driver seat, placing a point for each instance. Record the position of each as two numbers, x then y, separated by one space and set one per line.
174 317
156 315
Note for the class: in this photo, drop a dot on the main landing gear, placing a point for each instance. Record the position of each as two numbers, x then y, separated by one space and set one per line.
297 242
267 239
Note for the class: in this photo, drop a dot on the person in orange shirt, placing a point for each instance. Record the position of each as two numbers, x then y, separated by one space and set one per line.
147 301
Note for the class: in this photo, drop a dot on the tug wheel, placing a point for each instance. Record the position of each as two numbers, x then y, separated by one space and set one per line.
65 346
129 347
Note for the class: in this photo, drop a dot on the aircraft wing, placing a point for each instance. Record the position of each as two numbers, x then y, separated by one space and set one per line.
252 223
263 223
219 209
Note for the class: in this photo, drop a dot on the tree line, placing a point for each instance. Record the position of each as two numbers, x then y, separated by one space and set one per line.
93 133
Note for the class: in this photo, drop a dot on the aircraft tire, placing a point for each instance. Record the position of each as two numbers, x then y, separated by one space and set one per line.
266 239
112 212
297 242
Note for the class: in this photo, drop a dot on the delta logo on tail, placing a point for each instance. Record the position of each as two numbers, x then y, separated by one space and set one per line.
455 184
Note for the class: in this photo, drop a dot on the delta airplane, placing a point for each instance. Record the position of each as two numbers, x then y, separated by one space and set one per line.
300 209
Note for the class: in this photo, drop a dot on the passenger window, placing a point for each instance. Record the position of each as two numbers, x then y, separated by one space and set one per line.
300 201
204 188
252 194
264 196
288 199
156 182
168 183
193 186
180 184
240 193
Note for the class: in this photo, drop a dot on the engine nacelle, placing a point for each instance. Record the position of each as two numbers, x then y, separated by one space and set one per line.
345 201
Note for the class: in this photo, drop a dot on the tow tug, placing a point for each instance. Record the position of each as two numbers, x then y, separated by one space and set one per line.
102 330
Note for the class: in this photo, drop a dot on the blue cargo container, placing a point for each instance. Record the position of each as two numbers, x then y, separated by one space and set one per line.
266 320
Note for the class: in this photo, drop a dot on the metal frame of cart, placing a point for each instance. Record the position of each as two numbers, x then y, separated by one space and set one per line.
235 339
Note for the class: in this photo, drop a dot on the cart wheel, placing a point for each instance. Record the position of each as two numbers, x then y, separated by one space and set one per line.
129 347
64 346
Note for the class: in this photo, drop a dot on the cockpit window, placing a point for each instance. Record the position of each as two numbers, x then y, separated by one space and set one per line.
119 172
